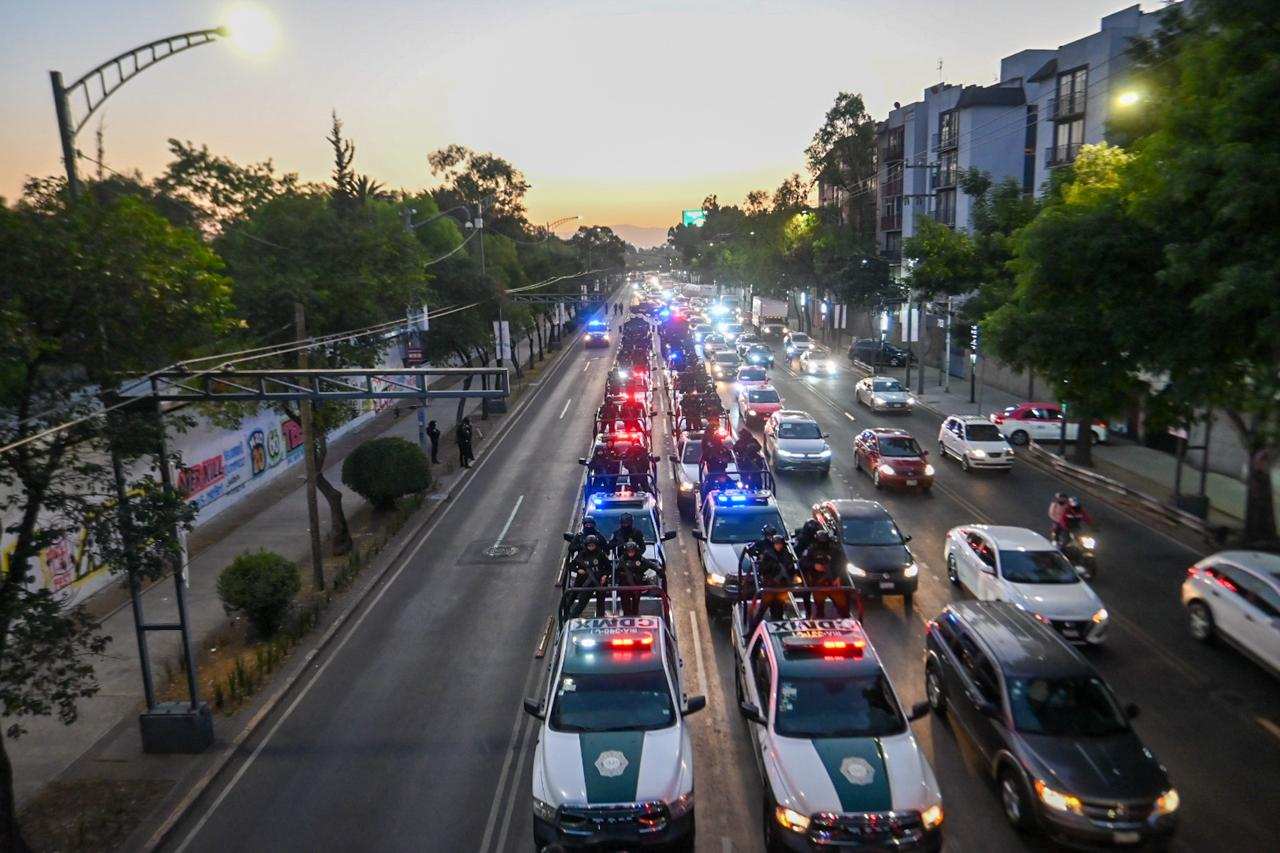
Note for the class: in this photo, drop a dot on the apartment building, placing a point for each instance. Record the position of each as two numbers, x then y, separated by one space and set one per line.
1046 105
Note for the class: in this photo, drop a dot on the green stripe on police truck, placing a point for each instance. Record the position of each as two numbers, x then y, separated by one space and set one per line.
857 771
611 765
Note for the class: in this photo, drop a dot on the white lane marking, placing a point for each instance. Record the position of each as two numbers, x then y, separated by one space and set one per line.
507 527
351 632
697 653
850 417
585 366
510 804
565 409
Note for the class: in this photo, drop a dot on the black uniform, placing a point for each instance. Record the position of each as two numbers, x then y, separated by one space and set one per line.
622 536
776 571
587 571
630 571
433 433
803 537
821 564
465 434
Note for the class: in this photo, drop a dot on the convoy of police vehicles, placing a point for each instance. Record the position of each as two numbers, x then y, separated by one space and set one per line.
839 766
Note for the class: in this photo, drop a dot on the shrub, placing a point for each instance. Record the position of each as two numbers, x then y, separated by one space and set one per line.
260 585
383 469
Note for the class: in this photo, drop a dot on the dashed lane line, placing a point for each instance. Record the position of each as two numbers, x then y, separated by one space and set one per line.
565 409
697 652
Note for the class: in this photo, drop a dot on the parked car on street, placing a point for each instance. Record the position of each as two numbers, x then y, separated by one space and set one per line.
1040 421
880 354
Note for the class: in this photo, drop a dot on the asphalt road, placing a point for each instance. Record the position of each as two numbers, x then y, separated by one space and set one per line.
409 735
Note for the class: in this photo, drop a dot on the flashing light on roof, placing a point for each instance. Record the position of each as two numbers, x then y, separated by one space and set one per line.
643 641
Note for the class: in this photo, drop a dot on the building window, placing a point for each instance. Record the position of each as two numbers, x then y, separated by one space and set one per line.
892 245
948 130
944 209
894 144
1068 136
1069 98
1029 150
948 167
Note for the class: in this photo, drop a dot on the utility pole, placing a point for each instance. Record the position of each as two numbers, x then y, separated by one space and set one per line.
66 134
910 349
945 378
920 334
308 443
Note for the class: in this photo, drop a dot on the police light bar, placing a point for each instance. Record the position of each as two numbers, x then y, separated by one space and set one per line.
828 647
641 641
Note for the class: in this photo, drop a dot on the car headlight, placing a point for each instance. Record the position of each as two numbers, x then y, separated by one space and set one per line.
789 819
928 470
1088 542
911 571
751 412
1058 800
879 401
785 454
686 486
911 401
715 579
932 817
886 469
544 811
824 453
855 572
1168 802
978 454
681 805
1100 617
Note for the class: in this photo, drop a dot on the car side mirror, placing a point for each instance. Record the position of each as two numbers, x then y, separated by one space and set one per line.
988 569
906 538
700 536
582 460
826 435
1131 711
533 708
752 713
568 537
693 705
668 535
918 710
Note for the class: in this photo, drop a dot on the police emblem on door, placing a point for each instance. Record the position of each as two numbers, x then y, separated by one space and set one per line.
611 763
857 770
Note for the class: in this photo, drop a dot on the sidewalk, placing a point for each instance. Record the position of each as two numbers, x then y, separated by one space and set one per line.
1142 468
275 519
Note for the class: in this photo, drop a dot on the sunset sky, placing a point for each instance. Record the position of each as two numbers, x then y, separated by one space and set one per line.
621 112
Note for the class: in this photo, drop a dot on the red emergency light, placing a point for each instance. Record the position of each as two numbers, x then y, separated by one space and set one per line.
643 641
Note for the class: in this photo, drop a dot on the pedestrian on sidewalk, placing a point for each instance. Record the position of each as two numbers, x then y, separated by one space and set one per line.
466 433
433 433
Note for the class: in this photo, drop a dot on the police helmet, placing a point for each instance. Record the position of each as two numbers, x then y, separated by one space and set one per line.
778 539
631 545
592 541
769 531
588 522
822 536
626 520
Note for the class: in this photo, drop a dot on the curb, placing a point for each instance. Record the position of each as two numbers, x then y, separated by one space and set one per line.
408 539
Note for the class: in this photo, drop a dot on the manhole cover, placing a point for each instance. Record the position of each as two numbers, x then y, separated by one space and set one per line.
508 551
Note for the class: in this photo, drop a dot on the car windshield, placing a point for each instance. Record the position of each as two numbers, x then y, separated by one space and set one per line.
727 357
608 522
799 429
1036 567
751 374
1065 707
898 446
733 329
713 339
760 349
870 531
886 385
743 524
982 432
692 453
799 338
763 395
837 706
612 701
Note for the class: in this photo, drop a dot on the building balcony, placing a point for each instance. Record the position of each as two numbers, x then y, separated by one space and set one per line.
892 188
941 179
1059 155
891 153
1068 107
891 221
946 139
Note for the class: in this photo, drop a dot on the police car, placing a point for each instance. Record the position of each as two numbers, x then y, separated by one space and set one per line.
839 765
597 334
614 766
608 509
729 521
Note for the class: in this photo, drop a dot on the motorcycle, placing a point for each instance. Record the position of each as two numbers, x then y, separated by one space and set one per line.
1080 550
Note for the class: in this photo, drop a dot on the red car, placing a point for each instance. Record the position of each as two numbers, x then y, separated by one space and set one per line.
891 457
756 404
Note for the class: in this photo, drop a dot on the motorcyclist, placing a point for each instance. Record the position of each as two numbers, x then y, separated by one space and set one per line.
626 532
1057 516
589 569
630 570
820 565
1074 516
777 568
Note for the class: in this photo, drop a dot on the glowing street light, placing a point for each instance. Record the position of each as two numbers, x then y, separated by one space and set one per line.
251 29
1128 98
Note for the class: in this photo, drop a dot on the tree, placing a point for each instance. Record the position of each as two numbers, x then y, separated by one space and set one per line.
791 195
1205 179
1084 275
946 261
757 203
215 191
90 293
473 177
600 247
843 154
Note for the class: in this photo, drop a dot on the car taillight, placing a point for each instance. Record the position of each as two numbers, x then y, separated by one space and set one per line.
1193 572
997 419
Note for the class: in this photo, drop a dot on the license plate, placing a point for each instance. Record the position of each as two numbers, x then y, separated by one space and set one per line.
911 482
886 584
1070 632
1125 837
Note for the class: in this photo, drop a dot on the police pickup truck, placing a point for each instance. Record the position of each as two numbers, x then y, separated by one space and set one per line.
608 509
613 766
728 521
839 765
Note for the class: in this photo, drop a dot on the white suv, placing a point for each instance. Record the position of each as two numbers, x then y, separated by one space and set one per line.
975 442
1235 595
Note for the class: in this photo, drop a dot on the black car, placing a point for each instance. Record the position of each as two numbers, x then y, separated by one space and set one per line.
1066 760
877 559
761 354
879 353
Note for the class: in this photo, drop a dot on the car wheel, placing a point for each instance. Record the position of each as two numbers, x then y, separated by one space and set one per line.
934 691
952 574
1019 438
1093 438
1200 621
1016 803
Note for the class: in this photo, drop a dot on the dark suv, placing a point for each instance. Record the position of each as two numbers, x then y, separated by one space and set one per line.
875 550
1049 729
879 353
